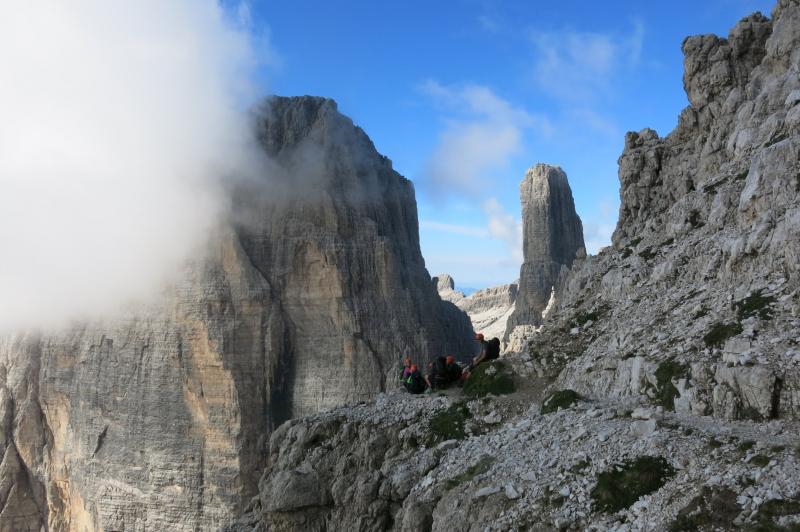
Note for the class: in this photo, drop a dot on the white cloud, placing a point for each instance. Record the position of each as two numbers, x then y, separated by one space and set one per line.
119 124
483 132
576 65
504 226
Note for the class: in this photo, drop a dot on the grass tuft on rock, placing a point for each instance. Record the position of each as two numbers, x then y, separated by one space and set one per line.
713 509
647 254
760 460
666 392
560 399
755 304
489 377
623 484
478 468
581 318
770 513
720 332
448 424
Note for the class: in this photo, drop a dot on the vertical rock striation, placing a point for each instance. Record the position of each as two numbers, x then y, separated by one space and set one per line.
552 236
157 419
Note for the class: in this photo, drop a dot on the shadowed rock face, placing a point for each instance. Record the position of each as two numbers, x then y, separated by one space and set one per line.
552 235
157 419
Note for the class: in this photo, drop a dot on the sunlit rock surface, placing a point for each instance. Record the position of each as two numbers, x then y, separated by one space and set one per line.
158 419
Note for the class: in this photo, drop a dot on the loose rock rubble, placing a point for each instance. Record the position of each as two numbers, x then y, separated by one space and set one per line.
377 467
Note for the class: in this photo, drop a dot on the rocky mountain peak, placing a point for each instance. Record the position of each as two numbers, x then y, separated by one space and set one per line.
443 282
552 236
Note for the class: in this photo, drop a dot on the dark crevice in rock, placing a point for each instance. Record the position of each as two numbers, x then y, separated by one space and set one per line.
100 439
775 409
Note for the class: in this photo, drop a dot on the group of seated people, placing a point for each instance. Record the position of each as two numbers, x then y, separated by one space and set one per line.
445 371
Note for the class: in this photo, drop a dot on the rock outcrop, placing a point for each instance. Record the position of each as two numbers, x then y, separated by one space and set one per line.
157 419
446 288
671 361
488 309
699 294
552 236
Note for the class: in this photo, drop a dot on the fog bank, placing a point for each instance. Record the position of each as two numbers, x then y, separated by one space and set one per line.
120 121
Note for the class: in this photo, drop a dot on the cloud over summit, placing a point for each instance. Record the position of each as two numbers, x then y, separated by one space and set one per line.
120 122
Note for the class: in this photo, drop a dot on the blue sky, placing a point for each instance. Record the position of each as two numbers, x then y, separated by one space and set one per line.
465 95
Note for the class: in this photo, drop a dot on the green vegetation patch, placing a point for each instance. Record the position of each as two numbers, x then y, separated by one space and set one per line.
666 392
448 424
478 468
714 443
581 318
746 446
489 377
755 304
578 467
760 460
560 399
623 484
627 251
713 509
720 332
647 254
771 511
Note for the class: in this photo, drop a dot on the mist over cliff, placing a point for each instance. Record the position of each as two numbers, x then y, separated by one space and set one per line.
122 123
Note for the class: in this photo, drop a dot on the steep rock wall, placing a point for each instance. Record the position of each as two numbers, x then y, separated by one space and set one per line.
157 419
696 304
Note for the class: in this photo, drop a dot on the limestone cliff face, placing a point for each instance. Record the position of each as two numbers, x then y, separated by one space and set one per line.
552 235
447 288
157 419
488 309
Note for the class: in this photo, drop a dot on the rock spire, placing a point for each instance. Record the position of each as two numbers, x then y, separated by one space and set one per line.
552 236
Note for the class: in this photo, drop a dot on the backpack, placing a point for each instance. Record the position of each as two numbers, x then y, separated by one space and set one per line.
453 372
439 366
415 383
493 349
439 374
